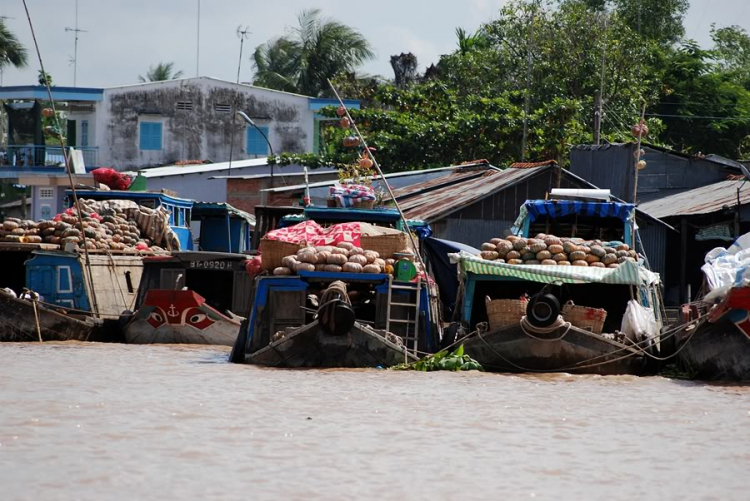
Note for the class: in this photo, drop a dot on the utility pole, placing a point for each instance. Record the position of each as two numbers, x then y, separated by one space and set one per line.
198 44
75 47
242 34
528 85
600 97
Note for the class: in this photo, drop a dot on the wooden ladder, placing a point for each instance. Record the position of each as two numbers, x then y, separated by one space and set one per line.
406 286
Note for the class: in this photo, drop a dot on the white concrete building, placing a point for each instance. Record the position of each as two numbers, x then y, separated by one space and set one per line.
162 123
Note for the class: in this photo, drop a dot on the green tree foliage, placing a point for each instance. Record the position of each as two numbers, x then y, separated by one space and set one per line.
313 52
160 72
12 52
657 20
732 52
703 110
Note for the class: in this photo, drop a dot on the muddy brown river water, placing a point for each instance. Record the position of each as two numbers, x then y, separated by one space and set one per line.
118 422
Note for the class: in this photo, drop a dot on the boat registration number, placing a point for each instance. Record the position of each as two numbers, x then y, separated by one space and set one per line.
212 265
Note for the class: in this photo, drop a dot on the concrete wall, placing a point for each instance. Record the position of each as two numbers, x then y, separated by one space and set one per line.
201 133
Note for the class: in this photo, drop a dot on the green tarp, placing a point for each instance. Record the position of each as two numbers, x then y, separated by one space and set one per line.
628 273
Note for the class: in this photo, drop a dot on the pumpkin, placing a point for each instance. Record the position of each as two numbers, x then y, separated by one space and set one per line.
556 249
570 247
621 253
577 256
613 265
48 112
541 236
624 247
490 255
609 259
552 240
533 261
371 268
341 111
352 267
529 256
538 247
560 256
512 255
598 265
357 259
543 255
503 247
512 238
563 263
519 244
598 251
365 163
514 261
345 123
488 247
580 263
590 258
549 262
281 270
496 241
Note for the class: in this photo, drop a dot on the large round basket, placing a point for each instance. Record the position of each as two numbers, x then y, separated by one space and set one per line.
583 317
273 251
364 204
385 245
505 312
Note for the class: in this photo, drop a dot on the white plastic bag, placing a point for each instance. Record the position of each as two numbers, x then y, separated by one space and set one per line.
639 322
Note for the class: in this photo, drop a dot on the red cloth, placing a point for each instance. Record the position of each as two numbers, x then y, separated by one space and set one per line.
312 233
115 180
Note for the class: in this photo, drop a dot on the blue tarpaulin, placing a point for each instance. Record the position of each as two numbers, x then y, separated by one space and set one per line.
561 208
445 272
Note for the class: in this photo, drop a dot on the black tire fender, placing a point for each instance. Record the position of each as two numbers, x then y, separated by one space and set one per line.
542 310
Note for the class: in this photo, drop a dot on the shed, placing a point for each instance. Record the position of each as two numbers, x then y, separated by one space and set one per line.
707 217
612 166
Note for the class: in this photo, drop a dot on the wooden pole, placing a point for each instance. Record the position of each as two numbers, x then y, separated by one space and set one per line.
683 259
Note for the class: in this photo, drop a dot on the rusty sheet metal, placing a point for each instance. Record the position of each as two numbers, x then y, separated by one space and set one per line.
440 202
433 184
704 200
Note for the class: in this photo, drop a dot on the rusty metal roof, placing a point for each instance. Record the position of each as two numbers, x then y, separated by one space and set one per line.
438 198
703 200
528 165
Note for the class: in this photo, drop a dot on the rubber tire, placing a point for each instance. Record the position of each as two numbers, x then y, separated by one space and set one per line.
543 310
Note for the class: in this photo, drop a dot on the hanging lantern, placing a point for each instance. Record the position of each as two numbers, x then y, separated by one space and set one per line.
641 164
640 130
48 112
345 123
365 163
351 142
341 111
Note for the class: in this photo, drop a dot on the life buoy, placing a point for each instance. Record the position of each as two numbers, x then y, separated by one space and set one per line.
543 310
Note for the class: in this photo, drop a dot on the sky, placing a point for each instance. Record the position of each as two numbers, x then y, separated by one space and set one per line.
124 37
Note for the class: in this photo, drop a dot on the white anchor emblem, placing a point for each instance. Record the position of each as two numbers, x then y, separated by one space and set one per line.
172 311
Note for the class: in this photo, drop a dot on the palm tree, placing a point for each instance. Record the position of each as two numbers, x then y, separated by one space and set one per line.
316 50
12 52
162 71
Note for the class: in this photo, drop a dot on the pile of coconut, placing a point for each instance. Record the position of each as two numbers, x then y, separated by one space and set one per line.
549 250
344 257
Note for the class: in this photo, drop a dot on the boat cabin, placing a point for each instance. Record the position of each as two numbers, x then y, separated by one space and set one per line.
218 277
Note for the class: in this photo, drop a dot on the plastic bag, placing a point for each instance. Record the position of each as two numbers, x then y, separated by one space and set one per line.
639 322
110 177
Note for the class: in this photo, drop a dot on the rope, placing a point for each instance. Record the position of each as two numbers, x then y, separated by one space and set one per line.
335 293
559 323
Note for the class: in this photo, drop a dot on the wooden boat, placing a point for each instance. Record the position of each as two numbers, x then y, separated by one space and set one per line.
18 323
718 348
313 346
71 293
282 329
190 298
527 344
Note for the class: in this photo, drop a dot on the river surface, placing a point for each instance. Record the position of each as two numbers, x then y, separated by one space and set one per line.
118 422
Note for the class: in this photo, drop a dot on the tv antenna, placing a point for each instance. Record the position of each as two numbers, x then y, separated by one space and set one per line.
243 33
74 60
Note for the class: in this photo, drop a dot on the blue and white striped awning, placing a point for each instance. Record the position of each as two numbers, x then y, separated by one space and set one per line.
627 273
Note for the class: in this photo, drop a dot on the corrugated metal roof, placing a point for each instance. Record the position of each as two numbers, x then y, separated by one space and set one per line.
431 204
181 170
527 165
704 200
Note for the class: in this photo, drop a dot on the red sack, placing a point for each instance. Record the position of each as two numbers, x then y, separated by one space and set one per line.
111 178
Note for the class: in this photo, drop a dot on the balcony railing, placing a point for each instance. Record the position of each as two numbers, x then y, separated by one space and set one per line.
32 157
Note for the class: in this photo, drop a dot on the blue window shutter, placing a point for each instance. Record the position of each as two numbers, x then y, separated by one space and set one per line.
256 143
84 132
150 135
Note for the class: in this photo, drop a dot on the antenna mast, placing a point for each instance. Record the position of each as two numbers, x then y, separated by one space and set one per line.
242 34
198 44
75 49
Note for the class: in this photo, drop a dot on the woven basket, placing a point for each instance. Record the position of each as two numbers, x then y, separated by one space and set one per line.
583 317
505 312
273 251
385 245
364 204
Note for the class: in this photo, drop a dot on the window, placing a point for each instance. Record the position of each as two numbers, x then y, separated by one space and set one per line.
223 108
256 143
150 135
46 193
129 282
184 106
84 132
64 279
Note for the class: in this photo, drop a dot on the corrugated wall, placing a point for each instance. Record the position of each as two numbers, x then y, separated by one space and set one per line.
654 239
